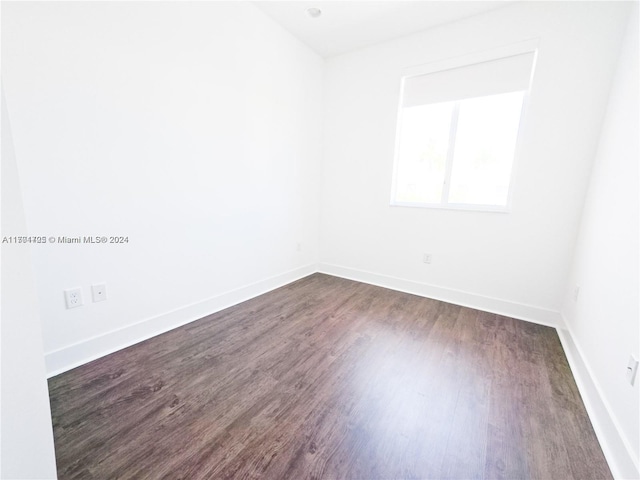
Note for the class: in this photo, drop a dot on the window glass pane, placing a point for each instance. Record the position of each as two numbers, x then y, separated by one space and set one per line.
484 149
422 154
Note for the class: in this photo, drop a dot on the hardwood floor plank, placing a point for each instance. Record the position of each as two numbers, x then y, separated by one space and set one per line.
466 447
327 378
506 451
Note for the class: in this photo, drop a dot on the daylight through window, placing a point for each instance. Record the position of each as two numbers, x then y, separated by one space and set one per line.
457 133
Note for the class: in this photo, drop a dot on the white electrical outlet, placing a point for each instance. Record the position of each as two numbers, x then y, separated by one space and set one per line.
99 292
299 246
576 294
632 369
426 258
73 297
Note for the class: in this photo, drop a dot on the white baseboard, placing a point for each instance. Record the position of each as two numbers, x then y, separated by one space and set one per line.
77 354
619 454
72 356
519 311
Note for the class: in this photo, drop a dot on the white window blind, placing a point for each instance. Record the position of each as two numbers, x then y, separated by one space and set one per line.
510 74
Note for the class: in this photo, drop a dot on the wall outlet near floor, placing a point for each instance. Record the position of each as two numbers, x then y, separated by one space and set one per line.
632 369
299 247
426 258
99 292
576 293
73 297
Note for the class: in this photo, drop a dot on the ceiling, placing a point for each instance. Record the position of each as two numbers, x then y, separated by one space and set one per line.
349 25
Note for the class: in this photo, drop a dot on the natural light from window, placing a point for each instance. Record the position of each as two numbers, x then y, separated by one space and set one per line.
485 144
457 134
472 142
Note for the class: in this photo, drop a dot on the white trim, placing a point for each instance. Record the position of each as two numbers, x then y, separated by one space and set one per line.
615 446
398 139
454 206
71 356
529 313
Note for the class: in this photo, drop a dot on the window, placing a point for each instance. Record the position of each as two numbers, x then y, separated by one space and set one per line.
457 132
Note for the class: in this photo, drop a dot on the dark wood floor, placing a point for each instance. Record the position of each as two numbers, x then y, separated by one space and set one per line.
330 379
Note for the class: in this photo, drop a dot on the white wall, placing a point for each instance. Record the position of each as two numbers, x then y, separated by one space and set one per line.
604 322
515 263
193 128
25 422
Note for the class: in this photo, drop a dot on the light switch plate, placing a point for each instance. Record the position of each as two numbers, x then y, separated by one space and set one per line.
99 292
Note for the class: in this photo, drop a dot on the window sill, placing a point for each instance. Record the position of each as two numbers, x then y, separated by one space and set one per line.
454 206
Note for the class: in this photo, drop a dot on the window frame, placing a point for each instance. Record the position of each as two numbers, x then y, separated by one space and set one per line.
529 46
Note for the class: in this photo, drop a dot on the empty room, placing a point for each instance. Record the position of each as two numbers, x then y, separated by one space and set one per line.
333 240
